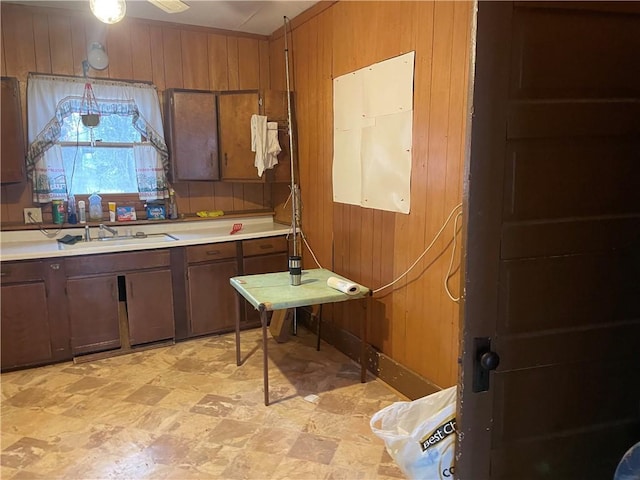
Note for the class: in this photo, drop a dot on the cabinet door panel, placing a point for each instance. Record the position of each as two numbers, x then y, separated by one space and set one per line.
213 305
192 122
11 133
93 313
236 158
263 264
25 325
150 306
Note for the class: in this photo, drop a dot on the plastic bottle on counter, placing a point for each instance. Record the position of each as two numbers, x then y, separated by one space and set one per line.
72 216
173 206
95 208
82 212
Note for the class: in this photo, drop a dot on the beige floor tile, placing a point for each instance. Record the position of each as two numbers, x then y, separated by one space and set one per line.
188 412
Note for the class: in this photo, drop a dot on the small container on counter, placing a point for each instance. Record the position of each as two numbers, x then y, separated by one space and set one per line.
72 216
112 211
82 212
95 208
57 211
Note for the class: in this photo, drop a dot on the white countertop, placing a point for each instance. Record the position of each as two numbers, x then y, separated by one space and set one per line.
32 244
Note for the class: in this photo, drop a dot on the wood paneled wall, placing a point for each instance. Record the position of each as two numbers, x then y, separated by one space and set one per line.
49 40
414 322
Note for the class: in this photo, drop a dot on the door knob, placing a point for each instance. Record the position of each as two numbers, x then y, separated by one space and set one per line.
489 360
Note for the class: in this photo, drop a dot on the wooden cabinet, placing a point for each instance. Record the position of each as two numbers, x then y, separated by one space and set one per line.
93 313
12 167
212 303
237 161
192 134
119 300
262 255
25 324
149 306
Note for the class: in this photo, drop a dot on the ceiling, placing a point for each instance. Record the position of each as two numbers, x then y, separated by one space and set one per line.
260 17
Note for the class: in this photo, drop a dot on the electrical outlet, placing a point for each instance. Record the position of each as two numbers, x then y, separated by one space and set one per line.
33 215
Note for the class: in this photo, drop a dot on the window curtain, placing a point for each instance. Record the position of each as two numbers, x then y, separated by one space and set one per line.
52 98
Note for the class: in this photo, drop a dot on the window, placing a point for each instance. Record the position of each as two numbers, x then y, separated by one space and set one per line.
124 153
99 159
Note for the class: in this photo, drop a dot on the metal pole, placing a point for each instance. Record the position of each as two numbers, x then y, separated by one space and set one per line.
294 191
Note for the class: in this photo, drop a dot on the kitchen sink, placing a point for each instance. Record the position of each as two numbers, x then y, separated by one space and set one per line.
123 240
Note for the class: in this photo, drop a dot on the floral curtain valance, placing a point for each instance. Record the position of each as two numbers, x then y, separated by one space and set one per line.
50 99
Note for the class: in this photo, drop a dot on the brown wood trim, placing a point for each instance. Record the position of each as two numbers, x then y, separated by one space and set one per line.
396 375
305 16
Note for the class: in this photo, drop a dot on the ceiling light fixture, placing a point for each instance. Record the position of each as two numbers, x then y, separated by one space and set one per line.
97 58
108 11
170 6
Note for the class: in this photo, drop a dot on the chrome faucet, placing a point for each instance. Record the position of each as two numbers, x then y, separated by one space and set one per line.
104 227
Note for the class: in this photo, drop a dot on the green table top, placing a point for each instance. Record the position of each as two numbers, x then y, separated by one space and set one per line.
274 290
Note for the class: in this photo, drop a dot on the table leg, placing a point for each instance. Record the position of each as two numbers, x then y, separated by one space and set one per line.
363 336
319 322
265 357
238 361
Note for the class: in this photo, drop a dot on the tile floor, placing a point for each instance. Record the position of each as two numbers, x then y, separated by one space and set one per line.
187 412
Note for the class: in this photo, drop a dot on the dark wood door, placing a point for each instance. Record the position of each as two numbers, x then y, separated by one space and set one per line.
552 243
213 305
26 334
11 133
192 135
150 306
93 313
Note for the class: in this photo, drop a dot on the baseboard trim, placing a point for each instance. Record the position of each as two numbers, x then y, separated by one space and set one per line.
396 375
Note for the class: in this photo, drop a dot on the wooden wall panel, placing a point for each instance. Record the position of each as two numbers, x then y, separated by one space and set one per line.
414 322
50 40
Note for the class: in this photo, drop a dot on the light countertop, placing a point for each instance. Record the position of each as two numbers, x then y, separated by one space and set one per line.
33 244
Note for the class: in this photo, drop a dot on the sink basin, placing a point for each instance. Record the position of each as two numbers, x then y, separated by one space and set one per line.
123 241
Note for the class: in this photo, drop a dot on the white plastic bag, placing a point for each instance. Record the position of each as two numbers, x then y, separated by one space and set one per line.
420 435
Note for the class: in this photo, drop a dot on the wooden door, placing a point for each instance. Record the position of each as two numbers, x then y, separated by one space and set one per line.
26 334
11 134
150 306
236 158
552 243
192 135
213 305
93 313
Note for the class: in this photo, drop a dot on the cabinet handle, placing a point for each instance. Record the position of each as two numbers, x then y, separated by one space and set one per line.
55 266
266 246
226 160
5 273
213 252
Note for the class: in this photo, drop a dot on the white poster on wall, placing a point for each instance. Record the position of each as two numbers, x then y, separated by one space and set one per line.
372 138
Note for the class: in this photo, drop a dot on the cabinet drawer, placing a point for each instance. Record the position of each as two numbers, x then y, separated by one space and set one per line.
211 251
116 262
263 246
14 272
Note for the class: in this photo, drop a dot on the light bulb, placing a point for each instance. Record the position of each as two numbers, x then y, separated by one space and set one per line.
97 57
108 11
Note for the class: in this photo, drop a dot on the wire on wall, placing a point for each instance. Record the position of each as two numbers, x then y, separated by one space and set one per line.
457 209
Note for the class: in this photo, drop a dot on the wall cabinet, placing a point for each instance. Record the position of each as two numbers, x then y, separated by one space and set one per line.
25 325
237 161
12 167
262 255
191 123
119 300
212 303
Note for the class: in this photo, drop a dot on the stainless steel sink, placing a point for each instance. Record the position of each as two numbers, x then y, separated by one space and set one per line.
124 240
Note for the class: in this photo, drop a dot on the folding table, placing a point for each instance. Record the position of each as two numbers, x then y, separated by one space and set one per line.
273 291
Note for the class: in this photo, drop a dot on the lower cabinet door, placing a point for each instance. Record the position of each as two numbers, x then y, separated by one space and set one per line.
149 297
26 336
93 313
213 304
